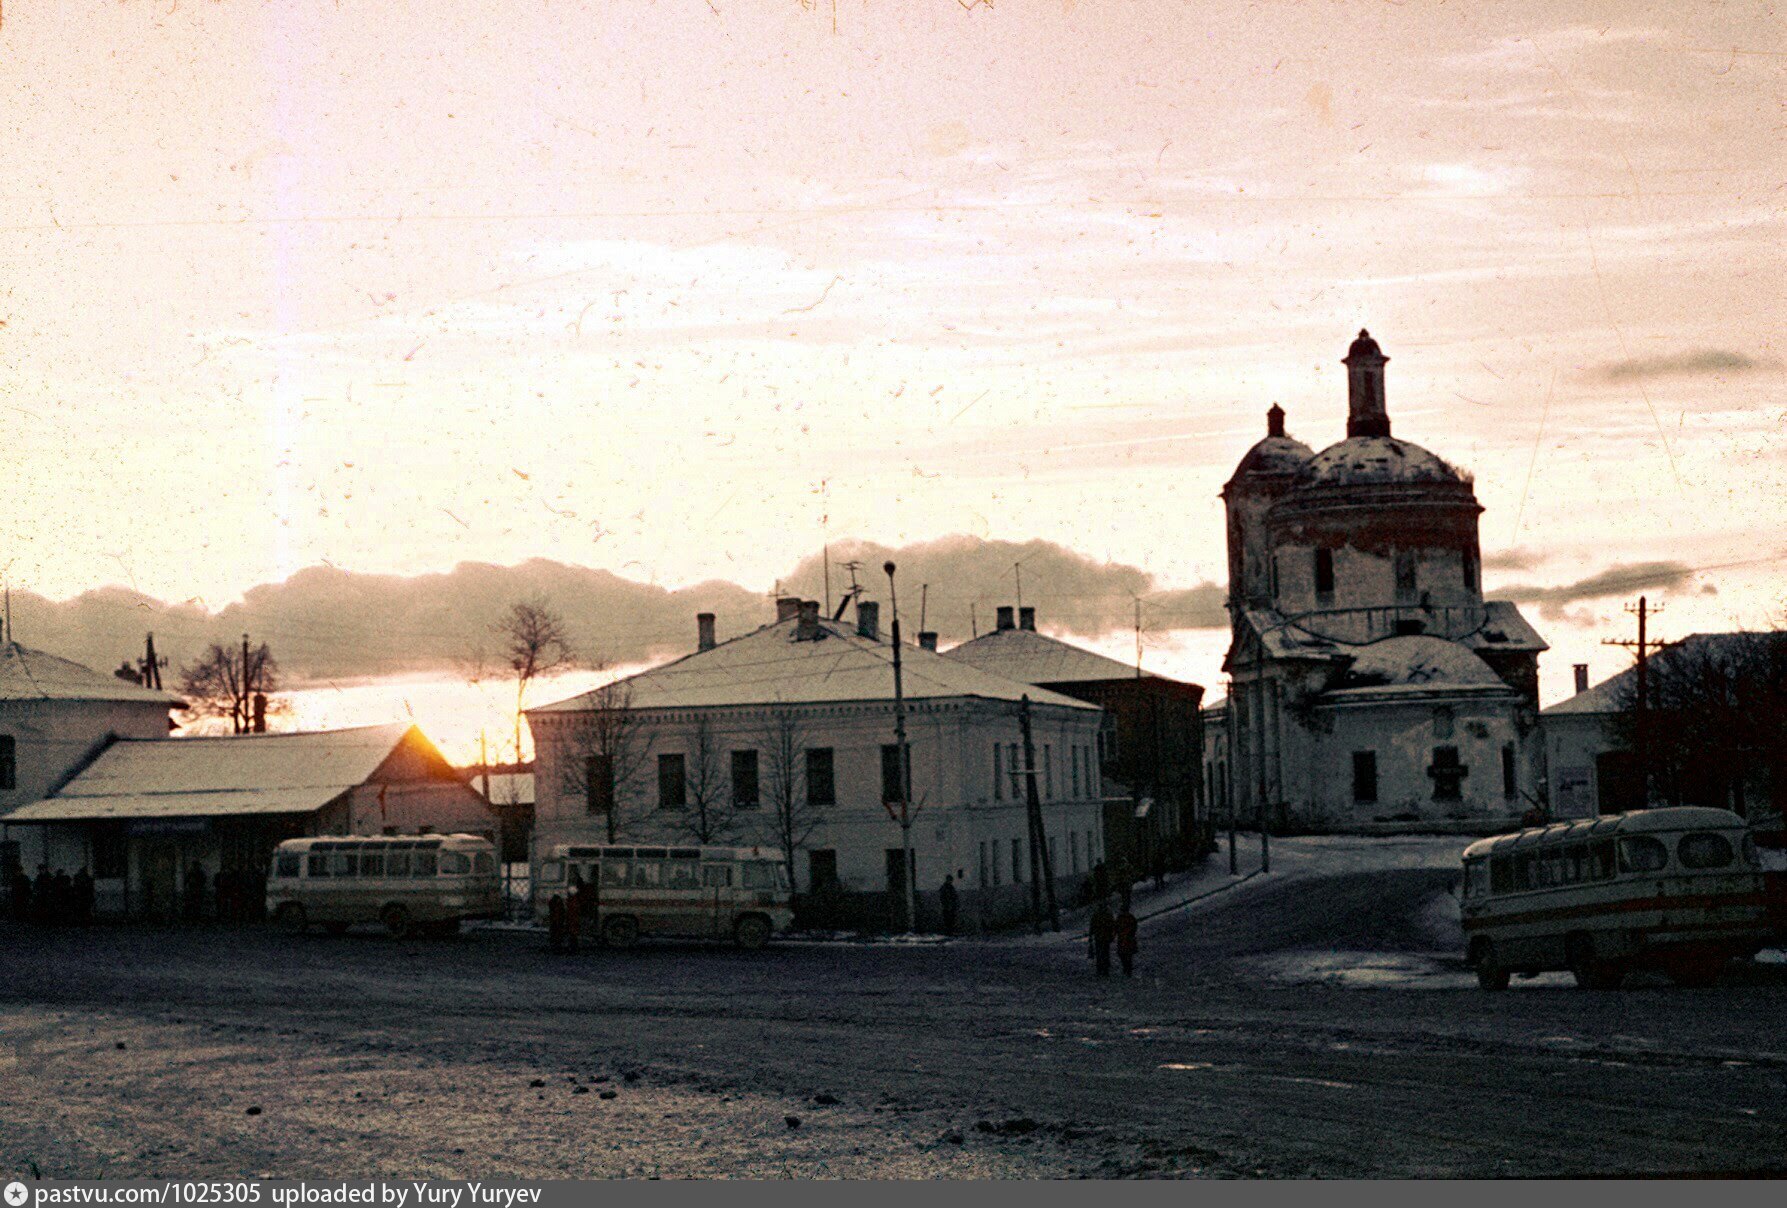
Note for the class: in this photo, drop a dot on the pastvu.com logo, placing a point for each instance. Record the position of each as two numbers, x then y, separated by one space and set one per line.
17 1193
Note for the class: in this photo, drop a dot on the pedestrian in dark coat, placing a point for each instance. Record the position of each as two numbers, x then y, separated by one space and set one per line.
1102 931
555 923
1125 928
948 902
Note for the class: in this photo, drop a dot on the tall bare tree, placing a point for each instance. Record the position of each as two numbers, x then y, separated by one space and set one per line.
222 683
533 643
792 817
605 752
710 816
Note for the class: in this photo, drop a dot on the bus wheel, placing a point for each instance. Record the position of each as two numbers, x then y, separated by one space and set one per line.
1490 975
1695 973
1591 972
397 922
752 932
291 918
620 930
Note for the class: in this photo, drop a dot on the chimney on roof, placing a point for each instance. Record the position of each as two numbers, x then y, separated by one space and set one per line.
1027 618
1004 614
1581 670
868 620
787 607
806 629
704 631
928 640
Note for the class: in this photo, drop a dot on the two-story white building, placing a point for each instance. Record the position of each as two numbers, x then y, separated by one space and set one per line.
784 736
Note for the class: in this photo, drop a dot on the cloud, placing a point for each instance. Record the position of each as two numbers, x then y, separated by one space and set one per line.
1512 559
1697 362
1615 580
325 624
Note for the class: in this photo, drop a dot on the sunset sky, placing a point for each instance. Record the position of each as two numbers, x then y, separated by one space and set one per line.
683 290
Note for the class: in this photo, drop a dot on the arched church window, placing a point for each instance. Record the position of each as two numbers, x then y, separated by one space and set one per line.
1324 576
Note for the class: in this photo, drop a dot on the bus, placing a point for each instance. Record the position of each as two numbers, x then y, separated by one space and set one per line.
406 883
1678 890
627 891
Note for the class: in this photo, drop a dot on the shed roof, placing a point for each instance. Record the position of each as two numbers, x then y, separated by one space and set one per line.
212 777
1034 658
771 666
27 675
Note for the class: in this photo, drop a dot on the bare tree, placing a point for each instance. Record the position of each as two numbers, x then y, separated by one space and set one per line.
711 816
792 817
225 682
605 751
534 643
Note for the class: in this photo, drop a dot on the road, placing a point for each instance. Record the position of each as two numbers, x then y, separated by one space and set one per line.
209 1052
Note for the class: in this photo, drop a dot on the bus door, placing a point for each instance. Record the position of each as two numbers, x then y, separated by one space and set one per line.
716 883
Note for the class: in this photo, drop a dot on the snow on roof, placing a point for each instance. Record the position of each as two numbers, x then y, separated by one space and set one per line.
1375 459
1610 695
1419 662
33 675
1504 628
769 666
240 774
1034 658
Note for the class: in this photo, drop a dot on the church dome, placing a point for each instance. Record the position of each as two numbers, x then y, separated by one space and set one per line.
1373 460
1275 455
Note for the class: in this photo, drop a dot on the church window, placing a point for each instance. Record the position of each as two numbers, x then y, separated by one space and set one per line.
9 762
1448 774
1324 576
1365 776
1442 722
1509 788
1470 569
1405 576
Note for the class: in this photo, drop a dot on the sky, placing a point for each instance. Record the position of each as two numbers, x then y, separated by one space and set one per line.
681 292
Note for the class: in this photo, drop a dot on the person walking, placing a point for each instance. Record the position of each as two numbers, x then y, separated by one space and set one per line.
1102 931
949 902
1125 929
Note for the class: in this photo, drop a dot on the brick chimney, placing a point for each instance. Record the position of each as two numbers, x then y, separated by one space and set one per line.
1004 615
806 629
704 631
1581 670
787 607
928 641
1027 618
868 620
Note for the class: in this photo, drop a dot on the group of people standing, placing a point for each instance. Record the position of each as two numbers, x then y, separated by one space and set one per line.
1108 930
52 898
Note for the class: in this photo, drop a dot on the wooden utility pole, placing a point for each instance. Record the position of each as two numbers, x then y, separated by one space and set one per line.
1643 648
903 761
1042 871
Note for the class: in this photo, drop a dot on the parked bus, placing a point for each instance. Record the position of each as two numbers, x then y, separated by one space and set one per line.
623 892
1678 890
404 882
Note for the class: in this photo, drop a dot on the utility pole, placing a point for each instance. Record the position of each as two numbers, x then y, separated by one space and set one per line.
1138 637
1042 872
1643 648
151 665
903 757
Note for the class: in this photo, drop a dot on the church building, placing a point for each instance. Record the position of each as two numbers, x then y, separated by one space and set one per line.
1372 685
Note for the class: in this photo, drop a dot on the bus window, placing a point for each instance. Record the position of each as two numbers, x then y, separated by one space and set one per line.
1476 879
615 873
682 874
1704 849
422 864
288 865
759 875
372 864
482 864
1601 859
341 864
397 864
1523 870
648 874
1642 853
716 876
455 864
319 864
1576 863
